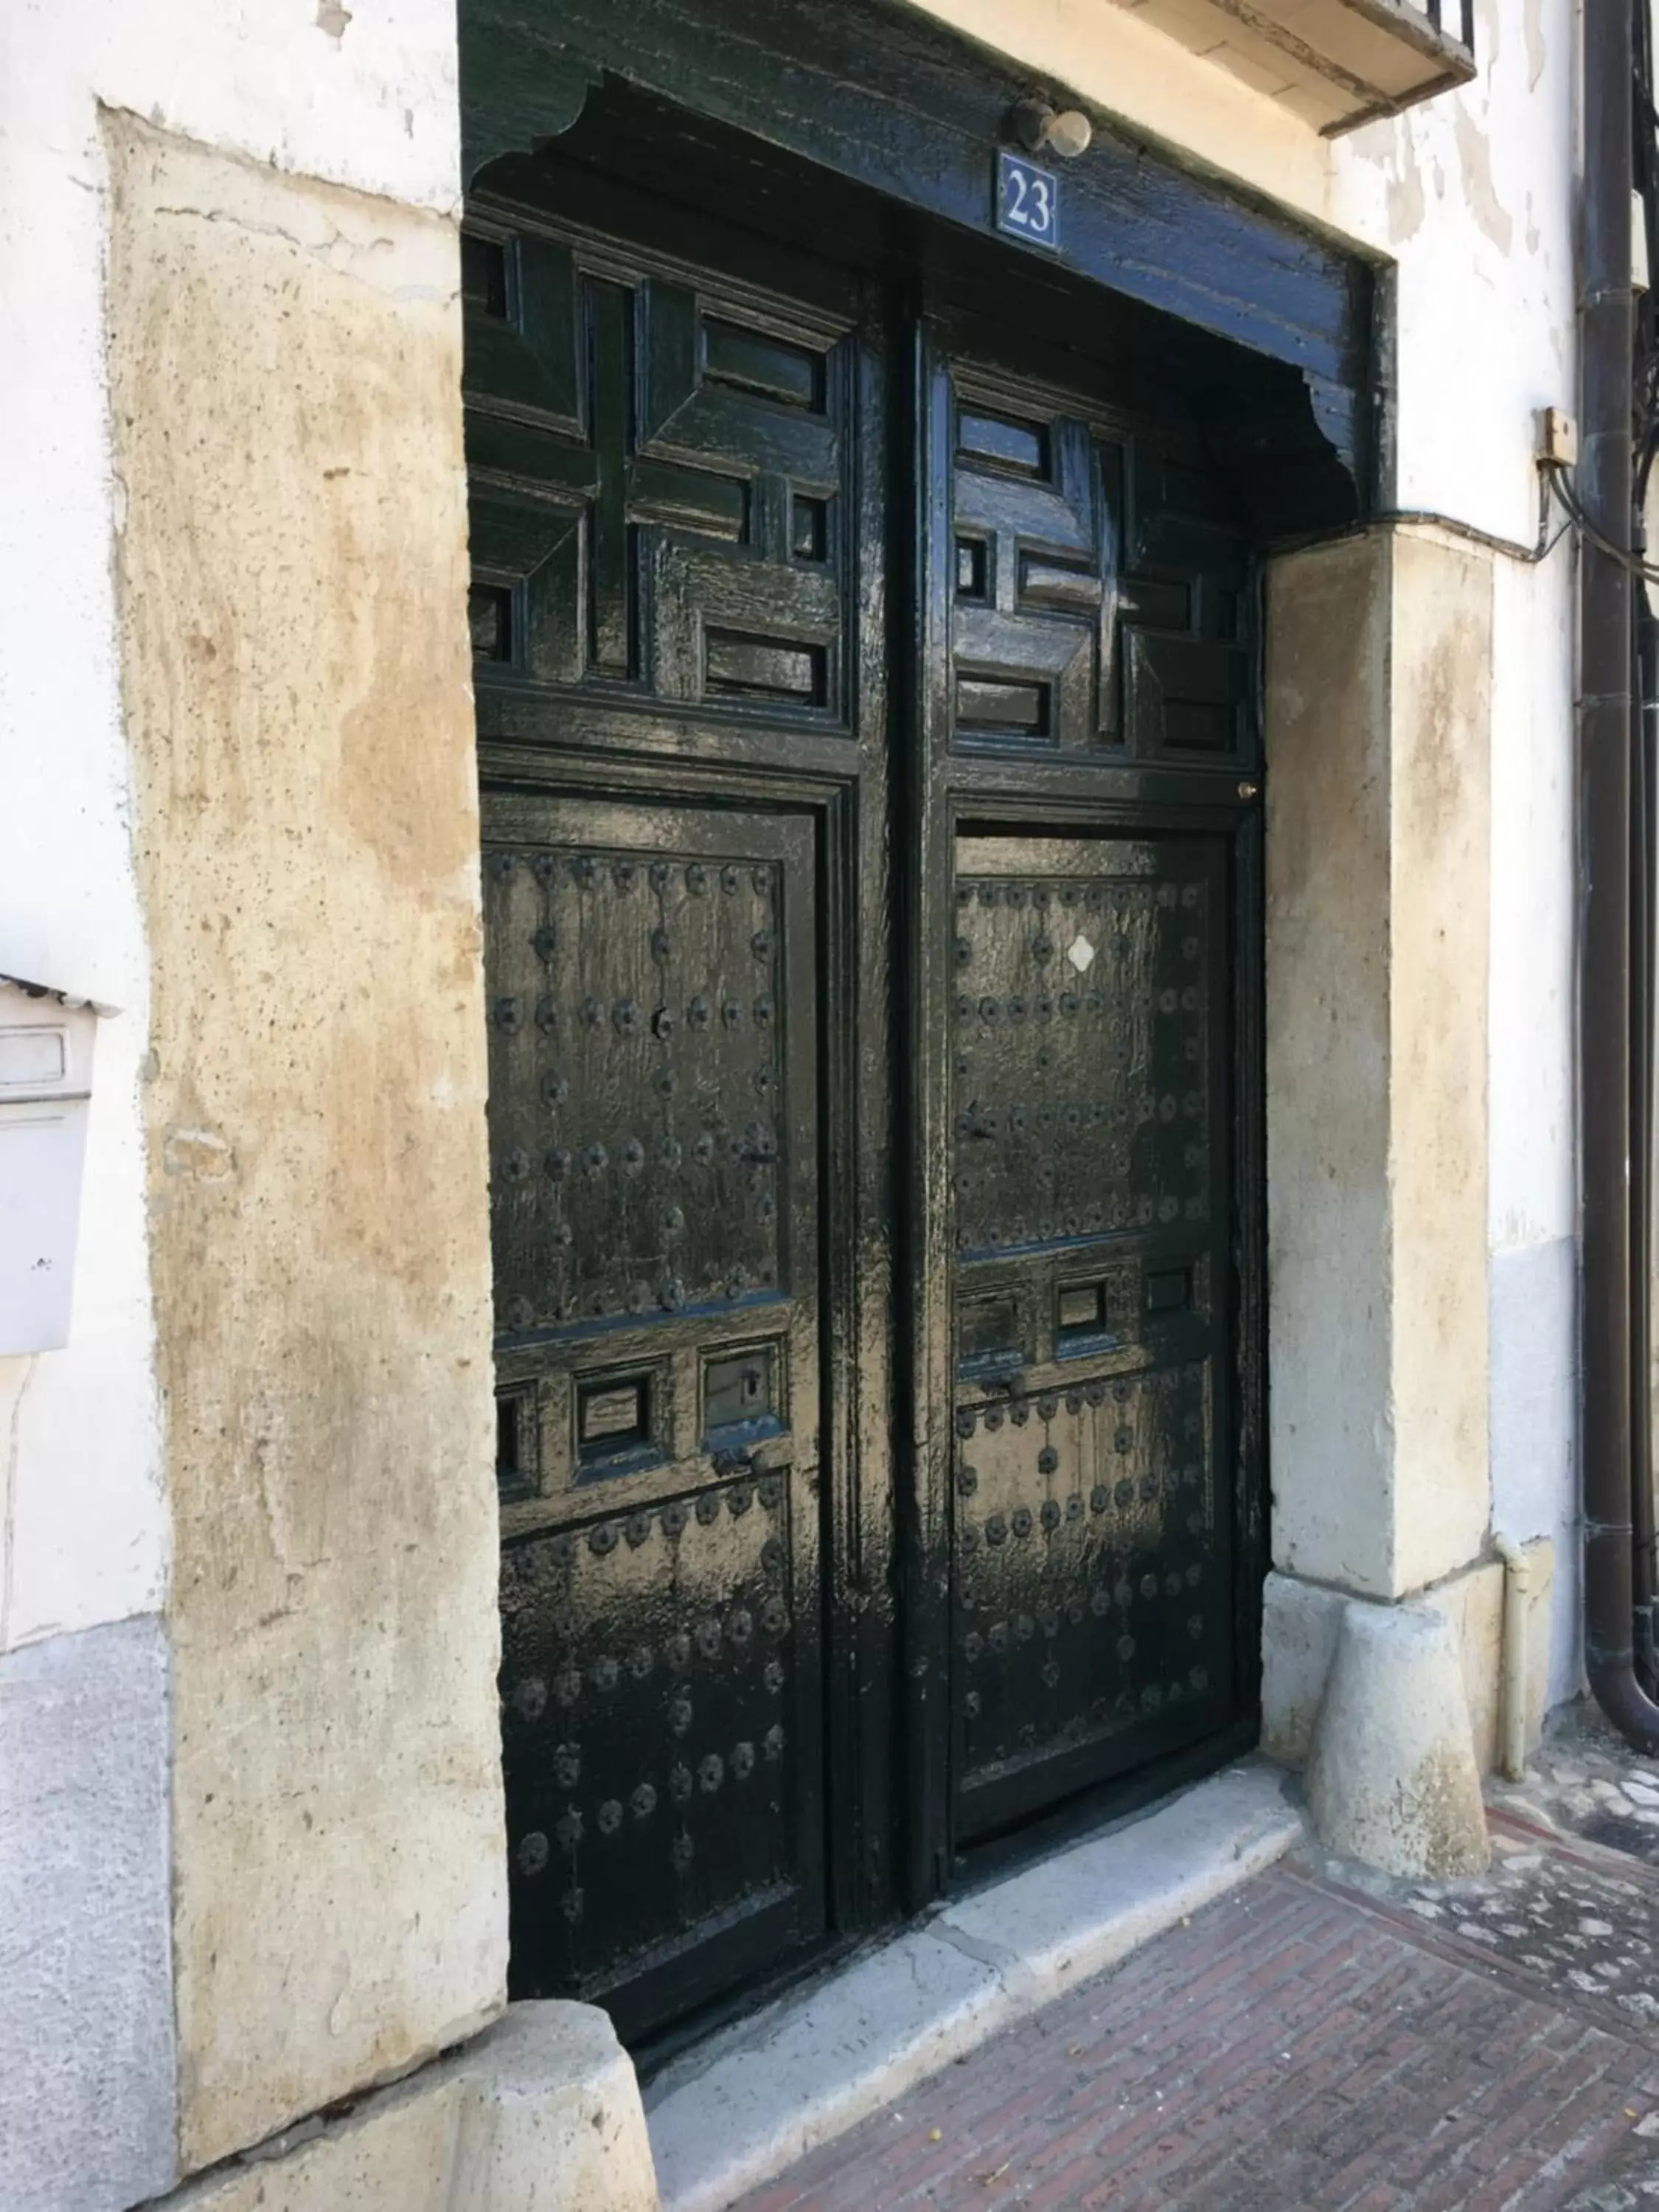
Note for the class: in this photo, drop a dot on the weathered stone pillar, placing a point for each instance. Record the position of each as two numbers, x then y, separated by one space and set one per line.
285 398
1379 658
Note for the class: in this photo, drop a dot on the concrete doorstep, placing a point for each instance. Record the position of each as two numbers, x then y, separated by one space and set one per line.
750 2101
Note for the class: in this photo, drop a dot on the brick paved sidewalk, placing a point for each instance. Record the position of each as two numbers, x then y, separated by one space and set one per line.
1302 2046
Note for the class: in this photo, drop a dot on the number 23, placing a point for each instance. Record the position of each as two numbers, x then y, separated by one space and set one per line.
1040 213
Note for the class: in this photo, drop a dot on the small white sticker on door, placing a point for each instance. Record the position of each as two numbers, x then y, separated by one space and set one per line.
1081 953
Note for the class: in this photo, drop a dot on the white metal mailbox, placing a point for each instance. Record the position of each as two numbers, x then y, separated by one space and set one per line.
46 1039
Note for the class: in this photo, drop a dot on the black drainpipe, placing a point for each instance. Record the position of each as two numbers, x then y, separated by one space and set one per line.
1644 879
1606 1007
1643 1591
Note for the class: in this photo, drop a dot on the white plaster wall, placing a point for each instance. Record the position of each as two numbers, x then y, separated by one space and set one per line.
1533 1200
1470 196
370 102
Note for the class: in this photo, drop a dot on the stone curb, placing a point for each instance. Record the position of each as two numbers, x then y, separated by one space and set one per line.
746 2105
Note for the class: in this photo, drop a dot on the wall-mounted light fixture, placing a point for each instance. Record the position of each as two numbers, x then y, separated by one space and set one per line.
1041 127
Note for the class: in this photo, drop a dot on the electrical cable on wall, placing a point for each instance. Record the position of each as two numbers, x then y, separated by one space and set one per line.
1558 479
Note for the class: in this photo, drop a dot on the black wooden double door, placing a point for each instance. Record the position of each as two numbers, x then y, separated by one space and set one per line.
868 892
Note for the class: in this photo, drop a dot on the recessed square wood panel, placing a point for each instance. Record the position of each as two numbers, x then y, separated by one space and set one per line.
1169 1289
1080 1309
740 1387
808 536
489 618
993 706
746 667
1003 443
1157 603
1104 1308
1185 697
612 1412
753 361
720 508
1059 586
990 1334
518 1442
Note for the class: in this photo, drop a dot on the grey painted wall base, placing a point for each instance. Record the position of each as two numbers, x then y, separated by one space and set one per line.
540 2113
1534 1427
88 2120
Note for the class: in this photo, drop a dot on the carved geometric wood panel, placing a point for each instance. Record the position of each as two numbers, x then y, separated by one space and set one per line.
1098 588
658 484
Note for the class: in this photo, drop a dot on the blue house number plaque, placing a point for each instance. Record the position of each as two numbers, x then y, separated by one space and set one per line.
1028 200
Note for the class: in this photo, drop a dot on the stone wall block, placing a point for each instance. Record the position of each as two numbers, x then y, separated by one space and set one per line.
1440 925
291 570
1378 706
1329 1251
541 2113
